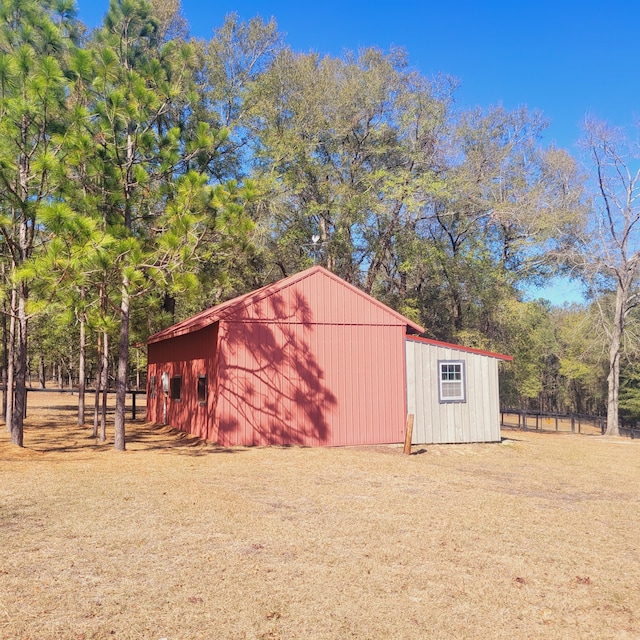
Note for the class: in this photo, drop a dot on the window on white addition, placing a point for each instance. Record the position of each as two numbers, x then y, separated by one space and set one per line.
451 381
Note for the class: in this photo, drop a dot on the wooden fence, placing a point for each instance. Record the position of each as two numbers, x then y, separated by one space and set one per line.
561 422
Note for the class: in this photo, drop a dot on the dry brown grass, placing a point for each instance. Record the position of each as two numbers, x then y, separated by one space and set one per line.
536 537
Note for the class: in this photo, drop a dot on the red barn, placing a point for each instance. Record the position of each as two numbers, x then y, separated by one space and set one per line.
310 360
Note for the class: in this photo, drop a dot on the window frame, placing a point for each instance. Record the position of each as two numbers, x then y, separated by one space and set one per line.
153 381
462 396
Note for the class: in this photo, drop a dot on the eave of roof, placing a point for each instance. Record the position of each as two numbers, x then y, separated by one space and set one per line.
449 345
219 312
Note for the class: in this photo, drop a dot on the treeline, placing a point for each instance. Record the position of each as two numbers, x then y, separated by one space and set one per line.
145 175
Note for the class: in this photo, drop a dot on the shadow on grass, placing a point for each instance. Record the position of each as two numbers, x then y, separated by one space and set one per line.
42 436
151 436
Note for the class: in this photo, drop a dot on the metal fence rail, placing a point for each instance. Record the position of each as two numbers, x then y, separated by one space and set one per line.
88 392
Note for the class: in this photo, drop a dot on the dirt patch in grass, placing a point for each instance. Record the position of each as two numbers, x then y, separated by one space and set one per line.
536 537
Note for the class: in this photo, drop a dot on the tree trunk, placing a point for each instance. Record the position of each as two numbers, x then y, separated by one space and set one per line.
41 373
96 400
20 400
324 238
105 385
137 369
123 368
456 309
383 249
11 359
22 293
613 380
4 360
81 368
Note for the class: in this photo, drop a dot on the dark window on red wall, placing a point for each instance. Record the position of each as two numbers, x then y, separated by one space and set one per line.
202 389
175 387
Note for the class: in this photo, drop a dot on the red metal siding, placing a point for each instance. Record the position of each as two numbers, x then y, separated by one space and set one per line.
311 384
188 356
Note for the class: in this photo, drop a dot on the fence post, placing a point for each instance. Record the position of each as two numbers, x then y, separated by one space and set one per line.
408 435
133 405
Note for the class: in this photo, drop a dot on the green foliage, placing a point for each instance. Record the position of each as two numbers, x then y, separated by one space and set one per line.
344 151
529 333
630 393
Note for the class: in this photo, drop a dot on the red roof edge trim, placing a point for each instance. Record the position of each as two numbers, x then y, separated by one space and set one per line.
449 345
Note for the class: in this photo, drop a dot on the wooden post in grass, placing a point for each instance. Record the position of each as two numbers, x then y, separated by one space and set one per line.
407 439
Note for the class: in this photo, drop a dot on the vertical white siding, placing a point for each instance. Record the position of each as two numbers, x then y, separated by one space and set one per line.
475 420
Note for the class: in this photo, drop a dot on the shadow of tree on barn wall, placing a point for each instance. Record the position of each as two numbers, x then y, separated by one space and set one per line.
271 386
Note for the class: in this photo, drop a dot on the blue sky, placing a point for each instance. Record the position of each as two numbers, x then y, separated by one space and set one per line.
564 57
567 58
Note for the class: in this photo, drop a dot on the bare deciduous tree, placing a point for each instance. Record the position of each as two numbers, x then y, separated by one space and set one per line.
612 250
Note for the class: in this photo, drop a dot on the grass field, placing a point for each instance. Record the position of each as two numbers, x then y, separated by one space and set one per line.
535 537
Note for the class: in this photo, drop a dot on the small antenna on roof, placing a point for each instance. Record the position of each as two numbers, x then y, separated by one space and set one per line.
315 238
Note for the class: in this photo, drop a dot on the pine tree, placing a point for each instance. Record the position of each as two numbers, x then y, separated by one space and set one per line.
35 40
